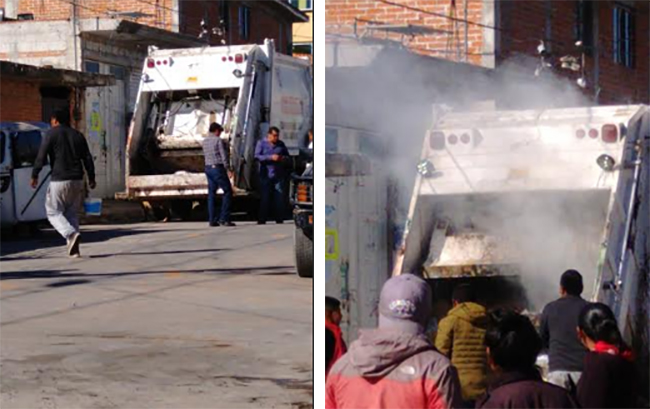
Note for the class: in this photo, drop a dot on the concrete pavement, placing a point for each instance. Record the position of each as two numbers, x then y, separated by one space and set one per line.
172 315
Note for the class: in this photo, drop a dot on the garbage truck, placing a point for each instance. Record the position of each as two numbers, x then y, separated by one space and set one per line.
245 88
509 200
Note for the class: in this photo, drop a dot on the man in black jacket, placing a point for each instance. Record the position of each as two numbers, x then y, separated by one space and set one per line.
68 155
558 325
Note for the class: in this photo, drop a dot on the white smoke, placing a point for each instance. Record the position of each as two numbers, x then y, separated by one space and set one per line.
394 95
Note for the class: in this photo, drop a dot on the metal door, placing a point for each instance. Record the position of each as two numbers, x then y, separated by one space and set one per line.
106 134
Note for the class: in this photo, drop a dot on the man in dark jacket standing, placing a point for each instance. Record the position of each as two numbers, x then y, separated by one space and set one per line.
395 366
69 155
460 337
512 347
558 325
272 155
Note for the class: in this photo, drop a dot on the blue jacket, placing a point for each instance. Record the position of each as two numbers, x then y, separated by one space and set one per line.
268 168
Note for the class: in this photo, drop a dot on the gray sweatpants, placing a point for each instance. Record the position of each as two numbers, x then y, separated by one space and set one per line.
62 205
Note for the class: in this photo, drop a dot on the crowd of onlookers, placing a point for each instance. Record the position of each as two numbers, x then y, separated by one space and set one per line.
479 358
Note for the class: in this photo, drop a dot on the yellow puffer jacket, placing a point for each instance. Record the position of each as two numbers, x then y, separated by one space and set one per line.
460 337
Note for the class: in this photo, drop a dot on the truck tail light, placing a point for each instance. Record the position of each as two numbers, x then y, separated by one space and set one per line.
150 63
452 139
239 58
437 141
230 58
580 133
464 138
303 193
609 133
593 133
224 58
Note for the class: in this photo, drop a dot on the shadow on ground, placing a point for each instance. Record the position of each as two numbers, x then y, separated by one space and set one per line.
29 275
12 244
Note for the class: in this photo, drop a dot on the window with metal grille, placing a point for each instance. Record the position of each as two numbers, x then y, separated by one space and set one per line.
244 22
623 20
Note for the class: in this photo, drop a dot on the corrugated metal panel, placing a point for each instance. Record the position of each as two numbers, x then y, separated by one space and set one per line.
357 247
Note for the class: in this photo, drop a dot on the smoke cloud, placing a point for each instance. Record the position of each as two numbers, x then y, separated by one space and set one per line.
393 93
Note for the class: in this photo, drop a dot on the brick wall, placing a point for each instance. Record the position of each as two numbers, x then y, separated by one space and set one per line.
264 23
449 43
521 25
617 84
62 10
25 108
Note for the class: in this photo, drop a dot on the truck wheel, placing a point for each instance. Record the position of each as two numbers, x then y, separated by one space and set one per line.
304 249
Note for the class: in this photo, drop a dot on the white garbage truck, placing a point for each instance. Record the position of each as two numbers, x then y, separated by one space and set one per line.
509 200
245 88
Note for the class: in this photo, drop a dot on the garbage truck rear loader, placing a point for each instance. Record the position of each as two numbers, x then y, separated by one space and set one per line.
246 88
521 196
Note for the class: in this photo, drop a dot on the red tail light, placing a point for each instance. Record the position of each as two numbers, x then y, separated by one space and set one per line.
609 133
437 141
239 58
224 58
452 139
165 62
464 138
580 133
230 58
593 133
151 63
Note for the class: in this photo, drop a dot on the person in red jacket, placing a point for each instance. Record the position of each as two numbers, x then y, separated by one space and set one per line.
333 337
395 365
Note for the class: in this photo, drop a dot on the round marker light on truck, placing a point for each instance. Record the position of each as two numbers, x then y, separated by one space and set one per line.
580 133
609 133
464 138
452 139
593 133
230 58
224 58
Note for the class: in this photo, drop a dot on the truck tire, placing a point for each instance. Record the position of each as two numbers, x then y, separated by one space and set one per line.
304 249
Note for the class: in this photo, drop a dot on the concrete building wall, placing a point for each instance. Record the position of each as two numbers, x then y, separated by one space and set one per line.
44 44
26 108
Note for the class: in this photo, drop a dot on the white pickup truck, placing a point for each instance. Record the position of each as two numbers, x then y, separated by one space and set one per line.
246 88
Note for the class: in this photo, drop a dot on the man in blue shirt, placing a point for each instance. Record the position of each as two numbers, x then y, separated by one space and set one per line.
272 155
217 170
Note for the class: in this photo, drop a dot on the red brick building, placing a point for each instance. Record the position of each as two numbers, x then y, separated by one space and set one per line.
615 35
224 21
